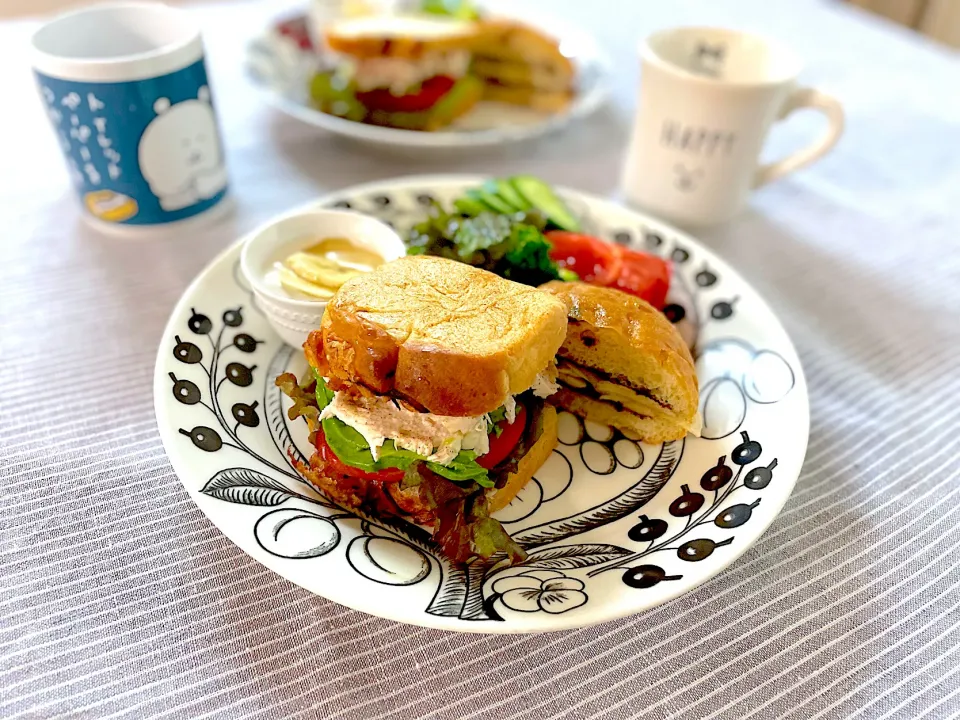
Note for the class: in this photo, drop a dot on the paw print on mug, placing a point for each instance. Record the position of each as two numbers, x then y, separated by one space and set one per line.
686 179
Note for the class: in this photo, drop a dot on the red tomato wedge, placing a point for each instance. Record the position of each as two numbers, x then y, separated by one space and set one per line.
593 260
601 263
296 29
426 97
390 475
646 276
501 447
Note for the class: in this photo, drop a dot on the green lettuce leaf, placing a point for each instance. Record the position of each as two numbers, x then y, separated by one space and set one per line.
350 446
512 246
463 468
482 233
494 419
324 394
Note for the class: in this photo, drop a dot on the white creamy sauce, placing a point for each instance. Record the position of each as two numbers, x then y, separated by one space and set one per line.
510 409
544 385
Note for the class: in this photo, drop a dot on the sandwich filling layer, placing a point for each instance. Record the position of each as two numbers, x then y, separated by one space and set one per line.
602 387
605 388
435 438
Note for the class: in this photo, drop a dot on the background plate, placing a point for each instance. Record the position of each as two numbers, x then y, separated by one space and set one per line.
281 71
612 527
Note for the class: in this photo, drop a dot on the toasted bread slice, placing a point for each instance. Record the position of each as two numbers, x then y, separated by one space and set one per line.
451 338
529 464
623 364
399 36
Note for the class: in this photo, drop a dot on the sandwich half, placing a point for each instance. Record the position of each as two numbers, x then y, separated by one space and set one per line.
425 398
520 65
623 364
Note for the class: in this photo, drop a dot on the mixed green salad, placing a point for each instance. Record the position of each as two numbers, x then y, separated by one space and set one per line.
499 226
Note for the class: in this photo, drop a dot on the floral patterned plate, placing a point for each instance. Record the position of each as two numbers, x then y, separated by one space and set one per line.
611 526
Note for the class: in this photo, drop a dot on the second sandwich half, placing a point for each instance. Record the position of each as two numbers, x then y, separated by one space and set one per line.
426 398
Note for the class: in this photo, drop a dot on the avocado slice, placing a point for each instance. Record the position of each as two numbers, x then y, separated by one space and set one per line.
490 201
469 206
542 197
508 193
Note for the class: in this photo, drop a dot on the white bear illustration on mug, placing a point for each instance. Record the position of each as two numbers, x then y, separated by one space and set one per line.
180 154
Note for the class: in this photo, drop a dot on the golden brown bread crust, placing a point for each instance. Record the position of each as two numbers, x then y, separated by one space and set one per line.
454 339
653 430
624 364
529 464
505 39
542 78
374 38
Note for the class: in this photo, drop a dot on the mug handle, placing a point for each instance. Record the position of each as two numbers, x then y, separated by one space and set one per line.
803 98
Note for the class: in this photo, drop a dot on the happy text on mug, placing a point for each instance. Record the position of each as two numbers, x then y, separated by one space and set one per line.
696 140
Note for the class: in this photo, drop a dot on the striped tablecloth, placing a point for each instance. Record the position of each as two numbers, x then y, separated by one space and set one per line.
119 599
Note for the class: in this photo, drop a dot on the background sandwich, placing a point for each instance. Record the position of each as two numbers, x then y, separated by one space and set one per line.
426 399
408 72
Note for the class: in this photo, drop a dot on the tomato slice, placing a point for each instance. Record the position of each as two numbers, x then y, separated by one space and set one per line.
595 261
426 97
501 447
390 475
296 29
599 263
646 276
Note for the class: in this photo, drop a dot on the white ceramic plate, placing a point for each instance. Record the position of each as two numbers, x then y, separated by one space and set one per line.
281 71
611 527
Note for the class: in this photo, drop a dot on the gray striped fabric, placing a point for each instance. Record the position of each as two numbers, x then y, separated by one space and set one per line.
119 599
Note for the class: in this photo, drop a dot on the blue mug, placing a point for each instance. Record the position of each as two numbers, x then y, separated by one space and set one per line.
125 87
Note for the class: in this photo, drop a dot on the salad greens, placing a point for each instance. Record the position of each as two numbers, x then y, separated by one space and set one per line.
498 227
459 9
494 419
512 246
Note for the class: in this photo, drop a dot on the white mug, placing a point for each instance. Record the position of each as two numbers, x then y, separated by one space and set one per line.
708 97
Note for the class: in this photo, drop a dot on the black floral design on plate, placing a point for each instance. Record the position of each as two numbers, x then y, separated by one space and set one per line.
691 504
732 374
539 590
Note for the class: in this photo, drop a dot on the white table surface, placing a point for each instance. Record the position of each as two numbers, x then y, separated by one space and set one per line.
847 607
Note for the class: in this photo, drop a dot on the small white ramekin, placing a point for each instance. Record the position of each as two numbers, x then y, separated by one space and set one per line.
294 319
